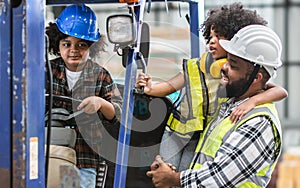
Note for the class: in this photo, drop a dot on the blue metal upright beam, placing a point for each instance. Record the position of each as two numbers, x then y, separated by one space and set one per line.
5 94
126 122
28 106
18 98
127 108
35 100
194 8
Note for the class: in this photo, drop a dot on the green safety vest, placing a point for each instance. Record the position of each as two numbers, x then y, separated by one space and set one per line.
200 100
207 148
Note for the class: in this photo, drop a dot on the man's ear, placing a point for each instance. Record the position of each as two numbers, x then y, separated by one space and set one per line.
259 76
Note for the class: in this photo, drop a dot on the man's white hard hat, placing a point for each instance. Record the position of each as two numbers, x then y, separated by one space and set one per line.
257 43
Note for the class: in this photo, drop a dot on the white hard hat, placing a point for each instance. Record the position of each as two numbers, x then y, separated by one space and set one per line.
258 44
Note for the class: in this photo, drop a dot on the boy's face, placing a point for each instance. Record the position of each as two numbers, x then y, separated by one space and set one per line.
74 52
214 46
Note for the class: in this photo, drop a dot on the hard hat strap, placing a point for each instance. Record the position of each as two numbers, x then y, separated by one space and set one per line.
252 76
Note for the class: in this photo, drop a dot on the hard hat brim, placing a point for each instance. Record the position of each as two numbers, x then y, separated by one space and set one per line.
227 47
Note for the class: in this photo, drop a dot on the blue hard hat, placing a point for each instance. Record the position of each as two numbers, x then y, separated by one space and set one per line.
78 21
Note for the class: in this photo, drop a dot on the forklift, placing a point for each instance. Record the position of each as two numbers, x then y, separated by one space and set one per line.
23 159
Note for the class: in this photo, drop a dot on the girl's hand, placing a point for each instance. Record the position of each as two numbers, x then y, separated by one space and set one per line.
241 110
144 80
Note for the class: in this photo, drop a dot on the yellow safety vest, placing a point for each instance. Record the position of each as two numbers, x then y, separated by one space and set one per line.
200 100
207 148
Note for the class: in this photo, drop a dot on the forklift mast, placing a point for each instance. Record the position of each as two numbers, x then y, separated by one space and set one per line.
22 93
22 66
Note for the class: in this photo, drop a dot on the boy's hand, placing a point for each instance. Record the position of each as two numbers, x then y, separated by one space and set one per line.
90 105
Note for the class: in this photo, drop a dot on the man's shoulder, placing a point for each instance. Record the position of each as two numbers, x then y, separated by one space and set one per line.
261 113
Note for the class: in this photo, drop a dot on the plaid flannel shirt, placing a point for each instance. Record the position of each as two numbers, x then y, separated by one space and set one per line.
94 81
250 148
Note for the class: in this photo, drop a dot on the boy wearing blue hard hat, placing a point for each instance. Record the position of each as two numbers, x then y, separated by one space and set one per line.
75 39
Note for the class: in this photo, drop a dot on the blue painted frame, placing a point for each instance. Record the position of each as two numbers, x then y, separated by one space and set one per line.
22 90
194 29
18 112
5 92
127 108
35 65
26 96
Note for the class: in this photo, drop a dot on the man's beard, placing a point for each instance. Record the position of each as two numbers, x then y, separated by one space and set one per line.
235 89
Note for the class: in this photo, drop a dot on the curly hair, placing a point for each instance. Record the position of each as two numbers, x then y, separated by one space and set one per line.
55 35
228 20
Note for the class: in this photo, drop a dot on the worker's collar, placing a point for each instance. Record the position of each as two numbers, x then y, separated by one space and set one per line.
235 103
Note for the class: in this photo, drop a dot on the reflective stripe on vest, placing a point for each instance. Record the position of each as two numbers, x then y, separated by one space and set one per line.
210 146
200 94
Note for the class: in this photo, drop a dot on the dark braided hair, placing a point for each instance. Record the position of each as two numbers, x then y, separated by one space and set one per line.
55 36
229 19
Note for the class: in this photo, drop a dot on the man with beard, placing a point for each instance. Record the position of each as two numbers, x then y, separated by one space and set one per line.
244 153
198 84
